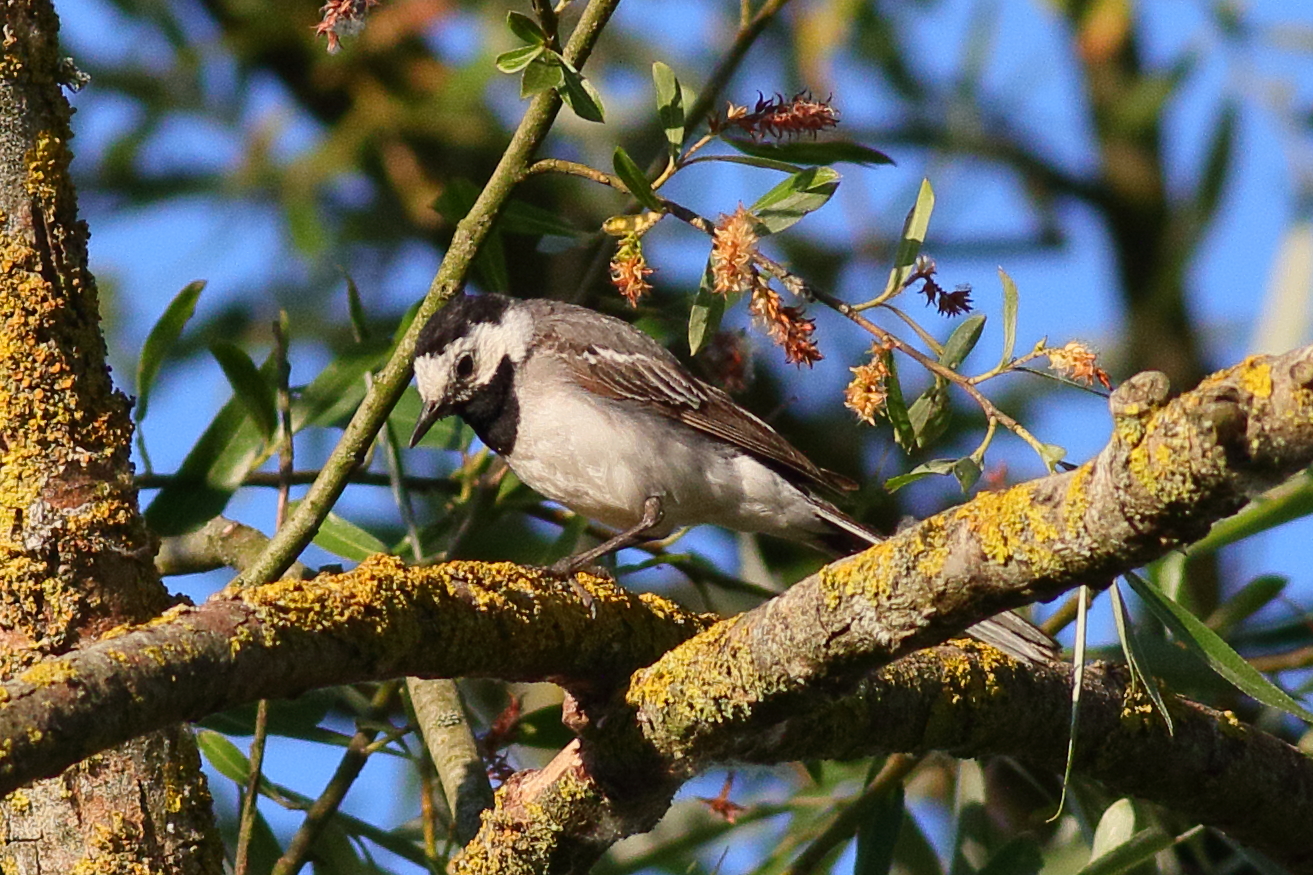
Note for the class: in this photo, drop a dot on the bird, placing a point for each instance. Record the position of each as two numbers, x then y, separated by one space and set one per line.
595 415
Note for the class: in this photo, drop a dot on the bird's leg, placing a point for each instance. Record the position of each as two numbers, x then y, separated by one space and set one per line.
652 515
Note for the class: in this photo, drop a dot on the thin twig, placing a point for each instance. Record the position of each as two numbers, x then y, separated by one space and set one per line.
348 769
286 465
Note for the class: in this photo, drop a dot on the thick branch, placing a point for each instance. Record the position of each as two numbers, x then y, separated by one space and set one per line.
382 620
968 700
1170 470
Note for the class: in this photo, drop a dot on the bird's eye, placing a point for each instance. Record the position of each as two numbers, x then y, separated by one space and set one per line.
465 366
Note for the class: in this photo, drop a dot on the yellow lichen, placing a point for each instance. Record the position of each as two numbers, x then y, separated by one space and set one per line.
55 671
1256 377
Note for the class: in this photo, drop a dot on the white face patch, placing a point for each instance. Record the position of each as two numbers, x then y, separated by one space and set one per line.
431 375
442 378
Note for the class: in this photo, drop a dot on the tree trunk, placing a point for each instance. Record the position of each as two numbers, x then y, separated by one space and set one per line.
75 556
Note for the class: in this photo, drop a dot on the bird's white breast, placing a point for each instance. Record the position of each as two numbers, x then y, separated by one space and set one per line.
602 458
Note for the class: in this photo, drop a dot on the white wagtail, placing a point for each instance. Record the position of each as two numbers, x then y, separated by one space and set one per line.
592 413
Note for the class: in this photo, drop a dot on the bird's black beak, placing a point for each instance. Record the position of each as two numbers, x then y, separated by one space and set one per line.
432 412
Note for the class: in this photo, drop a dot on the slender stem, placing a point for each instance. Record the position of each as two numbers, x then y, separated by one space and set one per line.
573 168
926 337
548 19
933 367
720 77
251 792
286 451
470 235
428 812
286 465
348 769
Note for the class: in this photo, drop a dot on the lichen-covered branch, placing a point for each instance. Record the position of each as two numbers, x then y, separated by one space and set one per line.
1170 471
791 678
382 620
74 552
968 700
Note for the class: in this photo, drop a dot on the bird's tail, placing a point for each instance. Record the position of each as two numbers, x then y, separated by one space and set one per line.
1007 631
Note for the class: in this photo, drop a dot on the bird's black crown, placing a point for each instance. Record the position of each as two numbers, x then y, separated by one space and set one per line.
457 319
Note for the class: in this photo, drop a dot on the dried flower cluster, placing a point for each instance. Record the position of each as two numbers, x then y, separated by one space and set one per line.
785 325
777 117
339 18
629 270
867 393
953 303
733 246
734 270
1078 362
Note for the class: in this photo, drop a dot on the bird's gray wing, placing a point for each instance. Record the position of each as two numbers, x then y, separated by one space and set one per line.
625 364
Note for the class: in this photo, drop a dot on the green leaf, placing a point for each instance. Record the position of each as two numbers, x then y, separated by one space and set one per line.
229 449
967 472
1021 856
1135 657
542 74
227 759
579 94
748 160
1289 501
542 728
914 231
161 339
877 833
635 180
802 193
1010 300
517 59
526 28
250 387
895 407
1190 631
670 106
344 538
1077 685
1052 454
1118 847
811 152
521 217
960 343
356 311
705 315
335 853
1251 598
930 415
926 469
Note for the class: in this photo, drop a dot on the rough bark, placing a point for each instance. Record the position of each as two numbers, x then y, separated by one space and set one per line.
75 558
